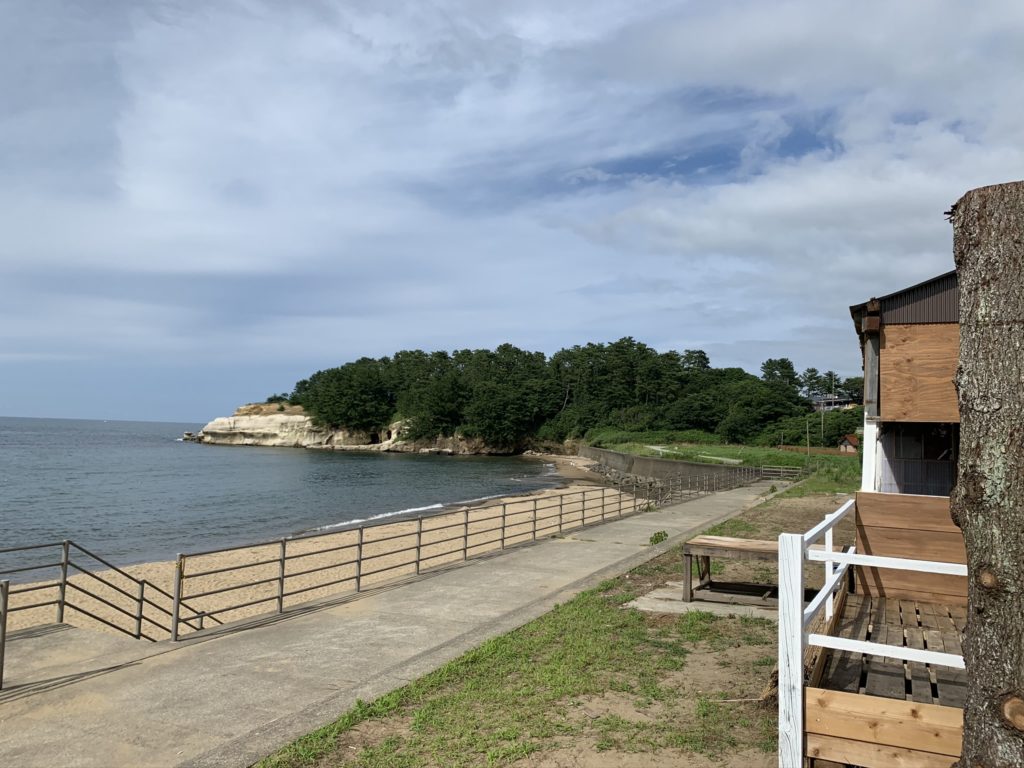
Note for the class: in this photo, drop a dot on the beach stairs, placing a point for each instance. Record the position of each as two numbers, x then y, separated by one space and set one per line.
51 655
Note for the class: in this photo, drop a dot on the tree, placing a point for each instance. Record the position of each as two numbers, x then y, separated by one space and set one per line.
810 382
695 360
781 370
988 501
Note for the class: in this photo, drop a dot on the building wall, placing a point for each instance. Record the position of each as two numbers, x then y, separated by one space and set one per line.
917 365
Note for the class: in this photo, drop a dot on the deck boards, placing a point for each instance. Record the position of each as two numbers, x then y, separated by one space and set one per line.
899 622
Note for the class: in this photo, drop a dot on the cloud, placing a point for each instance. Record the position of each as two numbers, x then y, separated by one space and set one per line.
307 183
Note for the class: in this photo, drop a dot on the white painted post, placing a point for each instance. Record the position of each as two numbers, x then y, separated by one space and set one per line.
829 569
791 651
869 467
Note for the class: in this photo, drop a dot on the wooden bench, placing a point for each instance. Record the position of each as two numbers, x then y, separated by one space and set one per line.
706 547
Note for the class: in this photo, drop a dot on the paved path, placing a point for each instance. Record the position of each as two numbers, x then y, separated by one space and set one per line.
233 695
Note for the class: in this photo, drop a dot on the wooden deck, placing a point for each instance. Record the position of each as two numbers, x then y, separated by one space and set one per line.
906 623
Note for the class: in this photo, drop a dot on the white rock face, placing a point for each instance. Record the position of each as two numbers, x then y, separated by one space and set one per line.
278 430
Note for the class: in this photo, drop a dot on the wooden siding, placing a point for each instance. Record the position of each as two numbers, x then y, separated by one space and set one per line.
881 733
917 364
916 527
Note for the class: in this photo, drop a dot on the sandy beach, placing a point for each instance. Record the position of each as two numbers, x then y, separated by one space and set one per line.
325 565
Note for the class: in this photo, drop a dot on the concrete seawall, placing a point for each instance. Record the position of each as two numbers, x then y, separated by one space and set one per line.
649 467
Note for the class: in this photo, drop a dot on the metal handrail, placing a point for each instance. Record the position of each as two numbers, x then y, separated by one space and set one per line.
496 528
568 511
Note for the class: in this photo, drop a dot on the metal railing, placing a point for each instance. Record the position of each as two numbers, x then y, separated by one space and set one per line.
134 607
795 619
140 609
782 473
410 546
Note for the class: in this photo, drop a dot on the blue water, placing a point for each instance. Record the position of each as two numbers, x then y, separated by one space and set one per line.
133 492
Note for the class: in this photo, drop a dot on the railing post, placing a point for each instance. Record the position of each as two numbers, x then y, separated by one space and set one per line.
503 512
179 572
534 531
561 496
359 559
792 642
465 534
65 556
5 592
280 577
603 489
138 611
828 572
419 542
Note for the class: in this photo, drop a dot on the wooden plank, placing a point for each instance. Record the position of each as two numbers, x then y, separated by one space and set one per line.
725 546
889 722
868 755
904 510
959 615
845 668
942 635
917 364
886 677
918 677
940 546
910 585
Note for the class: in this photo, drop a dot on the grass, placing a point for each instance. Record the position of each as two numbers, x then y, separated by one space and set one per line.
527 691
829 473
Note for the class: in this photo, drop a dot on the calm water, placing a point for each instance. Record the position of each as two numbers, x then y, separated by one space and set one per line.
132 492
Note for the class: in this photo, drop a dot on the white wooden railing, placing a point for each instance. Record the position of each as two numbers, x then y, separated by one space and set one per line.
796 619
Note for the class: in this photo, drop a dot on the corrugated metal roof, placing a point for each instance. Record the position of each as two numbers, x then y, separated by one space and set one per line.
933 301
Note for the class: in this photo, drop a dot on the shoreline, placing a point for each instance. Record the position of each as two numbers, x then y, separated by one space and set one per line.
324 556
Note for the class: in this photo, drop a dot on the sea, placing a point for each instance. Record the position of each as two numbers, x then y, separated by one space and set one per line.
134 491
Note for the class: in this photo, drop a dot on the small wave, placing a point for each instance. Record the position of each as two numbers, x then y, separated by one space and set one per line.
381 516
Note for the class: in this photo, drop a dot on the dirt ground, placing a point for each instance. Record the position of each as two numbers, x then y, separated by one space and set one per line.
731 667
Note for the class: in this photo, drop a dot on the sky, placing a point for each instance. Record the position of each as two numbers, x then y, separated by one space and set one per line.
203 202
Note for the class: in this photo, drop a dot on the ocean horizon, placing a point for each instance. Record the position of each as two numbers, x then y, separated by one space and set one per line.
133 491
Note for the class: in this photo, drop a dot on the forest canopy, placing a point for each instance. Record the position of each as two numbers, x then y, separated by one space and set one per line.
509 397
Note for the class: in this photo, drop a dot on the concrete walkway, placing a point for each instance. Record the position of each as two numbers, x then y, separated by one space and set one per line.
236 694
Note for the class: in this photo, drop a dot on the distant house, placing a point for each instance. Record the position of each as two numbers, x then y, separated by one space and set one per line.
849 444
830 402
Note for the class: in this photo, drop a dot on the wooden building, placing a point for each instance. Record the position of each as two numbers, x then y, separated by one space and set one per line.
879 680
910 340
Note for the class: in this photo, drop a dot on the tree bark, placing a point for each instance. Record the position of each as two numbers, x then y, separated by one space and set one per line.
988 501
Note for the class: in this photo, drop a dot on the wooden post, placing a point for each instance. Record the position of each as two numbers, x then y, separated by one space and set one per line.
791 650
560 497
465 534
534 531
503 514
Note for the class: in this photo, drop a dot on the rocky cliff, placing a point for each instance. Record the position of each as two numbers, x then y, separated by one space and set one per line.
288 426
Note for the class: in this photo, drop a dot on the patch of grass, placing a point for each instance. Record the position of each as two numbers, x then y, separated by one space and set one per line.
657 537
520 693
698 626
831 474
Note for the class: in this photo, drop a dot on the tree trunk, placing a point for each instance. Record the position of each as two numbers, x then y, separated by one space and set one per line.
988 501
